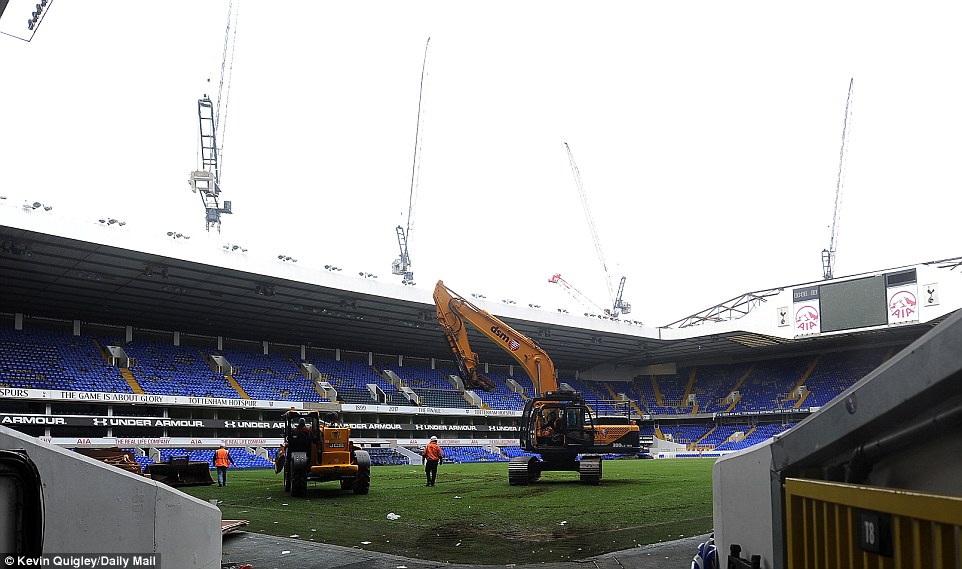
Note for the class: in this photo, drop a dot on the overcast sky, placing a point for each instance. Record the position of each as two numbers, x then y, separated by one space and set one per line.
707 135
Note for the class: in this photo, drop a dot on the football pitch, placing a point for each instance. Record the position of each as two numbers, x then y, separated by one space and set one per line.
472 515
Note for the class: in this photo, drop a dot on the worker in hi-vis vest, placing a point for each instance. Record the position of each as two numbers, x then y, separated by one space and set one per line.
222 459
432 457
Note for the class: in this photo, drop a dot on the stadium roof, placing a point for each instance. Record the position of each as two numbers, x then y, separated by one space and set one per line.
56 276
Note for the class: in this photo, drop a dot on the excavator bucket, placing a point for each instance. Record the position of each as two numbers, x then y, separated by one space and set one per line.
279 461
181 471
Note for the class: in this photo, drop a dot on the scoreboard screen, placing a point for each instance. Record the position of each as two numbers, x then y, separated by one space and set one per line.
858 303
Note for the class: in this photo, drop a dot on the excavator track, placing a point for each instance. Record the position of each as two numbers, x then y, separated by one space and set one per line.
523 470
590 469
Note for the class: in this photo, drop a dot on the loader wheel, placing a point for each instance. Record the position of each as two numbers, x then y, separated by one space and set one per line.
299 482
362 484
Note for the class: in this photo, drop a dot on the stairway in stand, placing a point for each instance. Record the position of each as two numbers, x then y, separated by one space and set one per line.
237 387
131 380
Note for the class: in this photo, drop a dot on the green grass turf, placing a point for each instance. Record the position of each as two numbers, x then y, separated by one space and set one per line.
472 515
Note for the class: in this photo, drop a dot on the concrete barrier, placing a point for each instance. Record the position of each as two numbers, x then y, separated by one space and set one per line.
95 508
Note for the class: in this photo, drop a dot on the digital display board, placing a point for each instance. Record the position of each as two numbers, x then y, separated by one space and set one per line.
858 303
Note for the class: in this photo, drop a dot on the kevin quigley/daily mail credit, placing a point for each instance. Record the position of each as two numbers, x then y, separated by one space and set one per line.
77 561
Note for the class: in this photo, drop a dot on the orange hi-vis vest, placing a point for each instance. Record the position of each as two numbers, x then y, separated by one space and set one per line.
433 451
220 457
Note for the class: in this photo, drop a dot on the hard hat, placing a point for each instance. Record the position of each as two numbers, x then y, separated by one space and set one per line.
301 422
434 439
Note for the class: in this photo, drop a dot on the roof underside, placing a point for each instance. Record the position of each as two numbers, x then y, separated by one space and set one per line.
56 277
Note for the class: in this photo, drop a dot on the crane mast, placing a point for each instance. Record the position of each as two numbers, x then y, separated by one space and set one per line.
828 255
618 305
206 181
402 265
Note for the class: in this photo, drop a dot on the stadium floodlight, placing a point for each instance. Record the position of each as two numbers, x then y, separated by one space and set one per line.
35 205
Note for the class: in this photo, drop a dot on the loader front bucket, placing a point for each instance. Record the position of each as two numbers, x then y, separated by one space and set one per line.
180 471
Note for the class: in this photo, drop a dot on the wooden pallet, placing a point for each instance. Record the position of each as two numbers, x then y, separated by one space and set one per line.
227 526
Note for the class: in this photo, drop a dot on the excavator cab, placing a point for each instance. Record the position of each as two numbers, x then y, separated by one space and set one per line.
557 422
578 426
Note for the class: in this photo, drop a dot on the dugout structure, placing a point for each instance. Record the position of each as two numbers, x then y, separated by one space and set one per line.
871 479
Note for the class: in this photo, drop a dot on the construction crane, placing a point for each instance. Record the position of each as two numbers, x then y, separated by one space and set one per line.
828 255
206 181
402 265
575 293
618 305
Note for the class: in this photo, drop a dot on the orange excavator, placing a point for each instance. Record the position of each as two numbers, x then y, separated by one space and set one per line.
557 425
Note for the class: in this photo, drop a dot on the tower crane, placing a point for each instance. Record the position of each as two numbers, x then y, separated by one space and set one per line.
206 181
574 292
402 265
828 255
618 305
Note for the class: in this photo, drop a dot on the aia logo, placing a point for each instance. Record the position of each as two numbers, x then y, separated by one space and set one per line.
806 318
513 345
903 305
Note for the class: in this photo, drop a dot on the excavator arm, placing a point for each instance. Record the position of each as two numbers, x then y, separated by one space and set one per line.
557 426
454 310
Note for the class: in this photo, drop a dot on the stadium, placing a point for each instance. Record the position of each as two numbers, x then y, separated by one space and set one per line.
813 423
139 348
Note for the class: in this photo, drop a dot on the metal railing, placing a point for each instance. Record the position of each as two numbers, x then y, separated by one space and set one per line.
830 524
